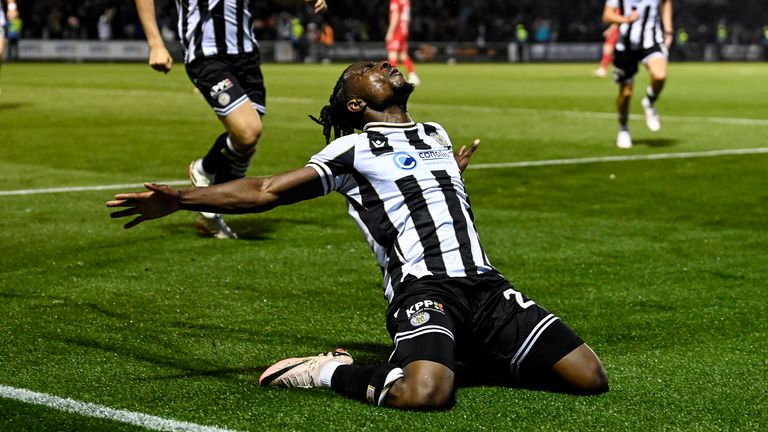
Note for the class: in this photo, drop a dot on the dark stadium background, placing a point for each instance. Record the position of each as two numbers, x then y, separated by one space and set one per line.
433 20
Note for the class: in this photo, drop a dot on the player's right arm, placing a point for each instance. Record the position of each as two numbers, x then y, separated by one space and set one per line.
159 57
246 195
612 16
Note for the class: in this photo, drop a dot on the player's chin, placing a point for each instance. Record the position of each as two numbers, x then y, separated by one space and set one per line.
401 85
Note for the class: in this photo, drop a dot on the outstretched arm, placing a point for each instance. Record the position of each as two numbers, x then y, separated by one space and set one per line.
246 195
159 57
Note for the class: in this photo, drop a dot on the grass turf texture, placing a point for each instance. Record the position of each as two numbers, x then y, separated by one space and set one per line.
659 265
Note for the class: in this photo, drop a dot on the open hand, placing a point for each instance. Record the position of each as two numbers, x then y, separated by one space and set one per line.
160 201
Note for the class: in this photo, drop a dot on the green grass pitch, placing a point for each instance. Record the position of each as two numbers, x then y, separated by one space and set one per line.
661 265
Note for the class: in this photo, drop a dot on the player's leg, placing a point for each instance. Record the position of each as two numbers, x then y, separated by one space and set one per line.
582 371
244 128
533 347
624 139
656 64
624 70
220 81
418 375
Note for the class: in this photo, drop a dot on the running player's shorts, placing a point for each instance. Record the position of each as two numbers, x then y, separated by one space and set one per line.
399 42
625 63
228 81
479 320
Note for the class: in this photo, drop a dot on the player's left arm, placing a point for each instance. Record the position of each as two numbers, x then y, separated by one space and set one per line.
666 21
246 195
320 5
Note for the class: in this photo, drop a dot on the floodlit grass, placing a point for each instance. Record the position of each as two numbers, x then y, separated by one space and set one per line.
659 265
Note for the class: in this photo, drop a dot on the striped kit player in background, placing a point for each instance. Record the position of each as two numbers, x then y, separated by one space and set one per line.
645 34
222 60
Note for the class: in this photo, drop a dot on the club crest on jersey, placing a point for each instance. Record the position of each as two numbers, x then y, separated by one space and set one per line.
419 318
221 86
426 305
379 143
404 161
440 140
223 99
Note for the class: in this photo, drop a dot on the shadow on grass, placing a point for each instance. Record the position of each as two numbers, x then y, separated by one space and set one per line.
14 105
655 142
250 229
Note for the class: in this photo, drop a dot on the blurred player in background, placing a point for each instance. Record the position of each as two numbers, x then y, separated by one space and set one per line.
13 12
397 37
645 33
447 303
222 60
611 35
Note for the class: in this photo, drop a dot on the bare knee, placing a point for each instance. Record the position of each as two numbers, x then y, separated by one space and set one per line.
428 386
244 139
583 371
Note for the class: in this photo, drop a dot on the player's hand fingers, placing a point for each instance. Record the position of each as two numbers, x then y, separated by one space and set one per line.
461 151
134 222
117 203
123 213
320 6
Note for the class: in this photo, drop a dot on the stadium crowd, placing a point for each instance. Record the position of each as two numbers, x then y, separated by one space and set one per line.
433 20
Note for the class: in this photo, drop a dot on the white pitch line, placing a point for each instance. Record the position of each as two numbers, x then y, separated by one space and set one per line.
99 411
88 188
477 166
602 159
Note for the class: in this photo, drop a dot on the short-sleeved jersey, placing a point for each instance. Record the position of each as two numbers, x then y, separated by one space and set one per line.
644 33
404 190
403 9
215 27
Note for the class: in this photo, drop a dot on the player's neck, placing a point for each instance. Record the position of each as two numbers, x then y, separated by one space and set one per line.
391 114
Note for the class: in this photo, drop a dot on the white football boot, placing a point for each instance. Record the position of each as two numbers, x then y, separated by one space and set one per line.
651 117
301 372
624 140
208 224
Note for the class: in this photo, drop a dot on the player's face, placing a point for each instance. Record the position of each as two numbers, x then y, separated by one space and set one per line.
379 84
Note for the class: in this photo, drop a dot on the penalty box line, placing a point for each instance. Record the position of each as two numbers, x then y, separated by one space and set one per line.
477 166
99 411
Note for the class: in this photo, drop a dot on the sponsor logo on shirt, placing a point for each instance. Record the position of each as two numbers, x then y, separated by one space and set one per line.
404 161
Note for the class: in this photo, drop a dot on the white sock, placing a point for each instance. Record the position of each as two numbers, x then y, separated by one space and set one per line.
326 373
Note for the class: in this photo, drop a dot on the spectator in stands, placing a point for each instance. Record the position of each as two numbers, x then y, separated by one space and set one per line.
105 24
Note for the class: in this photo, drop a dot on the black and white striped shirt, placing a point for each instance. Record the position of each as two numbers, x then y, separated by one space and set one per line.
404 190
210 27
643 33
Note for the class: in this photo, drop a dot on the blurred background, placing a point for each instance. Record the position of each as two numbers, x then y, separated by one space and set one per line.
441 30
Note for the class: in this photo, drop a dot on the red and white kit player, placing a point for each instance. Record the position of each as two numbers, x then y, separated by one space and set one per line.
397 37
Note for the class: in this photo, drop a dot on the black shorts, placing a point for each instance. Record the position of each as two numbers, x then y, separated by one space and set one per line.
228 81
625 63
479 320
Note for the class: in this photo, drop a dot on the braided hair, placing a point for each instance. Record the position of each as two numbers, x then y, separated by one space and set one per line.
335 115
